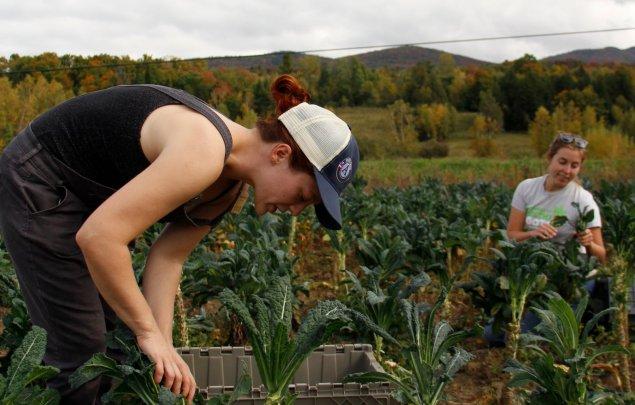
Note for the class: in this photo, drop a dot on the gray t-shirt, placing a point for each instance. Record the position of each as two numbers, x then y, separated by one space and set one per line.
541 206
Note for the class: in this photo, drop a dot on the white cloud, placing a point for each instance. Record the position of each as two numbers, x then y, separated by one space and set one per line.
190 28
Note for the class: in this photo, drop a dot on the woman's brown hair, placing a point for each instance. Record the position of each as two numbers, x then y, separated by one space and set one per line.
558 144
287 93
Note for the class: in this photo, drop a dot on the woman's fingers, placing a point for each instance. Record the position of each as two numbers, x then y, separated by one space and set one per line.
158 372
546 231
168 377
170 370
178 380
188 385
185 384
190 395
585 238
551 230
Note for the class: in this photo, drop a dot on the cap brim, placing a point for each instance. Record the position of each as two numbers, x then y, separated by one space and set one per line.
328 211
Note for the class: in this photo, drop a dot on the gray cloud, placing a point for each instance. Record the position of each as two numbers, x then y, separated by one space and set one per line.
190 28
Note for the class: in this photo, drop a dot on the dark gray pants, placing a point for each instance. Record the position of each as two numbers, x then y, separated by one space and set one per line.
39 217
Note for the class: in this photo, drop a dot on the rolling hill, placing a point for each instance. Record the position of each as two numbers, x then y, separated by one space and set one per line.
604 55
408 56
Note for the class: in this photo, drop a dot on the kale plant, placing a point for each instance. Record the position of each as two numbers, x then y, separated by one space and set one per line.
514 280
277 355
134 377
432 358
560 371
22 383
383 281
16 321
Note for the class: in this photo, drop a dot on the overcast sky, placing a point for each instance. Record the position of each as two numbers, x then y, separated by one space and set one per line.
189 28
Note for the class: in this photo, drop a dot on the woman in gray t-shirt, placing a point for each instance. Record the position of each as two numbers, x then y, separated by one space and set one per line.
537 201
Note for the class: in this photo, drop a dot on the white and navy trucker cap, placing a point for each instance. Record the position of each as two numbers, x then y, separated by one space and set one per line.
327 142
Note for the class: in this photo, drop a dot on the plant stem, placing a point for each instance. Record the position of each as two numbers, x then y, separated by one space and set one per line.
181 320
292 231
513 335
379 343
487 240
341 255
620 293
445 312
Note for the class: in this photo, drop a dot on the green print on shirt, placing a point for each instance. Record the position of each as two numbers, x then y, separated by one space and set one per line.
546 215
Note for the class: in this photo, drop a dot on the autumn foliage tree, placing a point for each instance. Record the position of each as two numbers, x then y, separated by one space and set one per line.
541 131
434 121
509 93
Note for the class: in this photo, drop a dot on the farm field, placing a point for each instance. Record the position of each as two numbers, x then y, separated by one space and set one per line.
422 273
407 261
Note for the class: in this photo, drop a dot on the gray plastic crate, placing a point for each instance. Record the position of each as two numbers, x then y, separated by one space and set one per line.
317 381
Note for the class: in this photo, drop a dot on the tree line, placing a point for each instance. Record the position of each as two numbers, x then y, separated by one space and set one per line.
508 95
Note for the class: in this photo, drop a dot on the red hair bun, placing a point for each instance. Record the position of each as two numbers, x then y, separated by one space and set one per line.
287 93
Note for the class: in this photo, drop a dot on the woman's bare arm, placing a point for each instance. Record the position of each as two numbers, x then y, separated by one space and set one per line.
516 225
184 168
593 242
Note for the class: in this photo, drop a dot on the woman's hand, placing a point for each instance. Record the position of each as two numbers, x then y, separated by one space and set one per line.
169 366
585 238
544 231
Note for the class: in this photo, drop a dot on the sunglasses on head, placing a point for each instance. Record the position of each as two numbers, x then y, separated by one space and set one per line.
570 138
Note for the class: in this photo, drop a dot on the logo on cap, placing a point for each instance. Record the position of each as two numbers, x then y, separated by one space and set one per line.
344 169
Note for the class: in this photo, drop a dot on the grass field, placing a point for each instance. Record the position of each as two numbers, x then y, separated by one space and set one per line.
514 161
404 172
376 134
373 126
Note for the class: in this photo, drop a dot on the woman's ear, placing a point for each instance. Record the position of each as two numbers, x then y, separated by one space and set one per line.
280 152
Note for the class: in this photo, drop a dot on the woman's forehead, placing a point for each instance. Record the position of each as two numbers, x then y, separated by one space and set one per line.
569 154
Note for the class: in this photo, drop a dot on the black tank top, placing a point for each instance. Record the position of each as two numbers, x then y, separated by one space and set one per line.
97 135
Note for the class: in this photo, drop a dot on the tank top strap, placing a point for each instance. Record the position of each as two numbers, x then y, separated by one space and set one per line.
199 106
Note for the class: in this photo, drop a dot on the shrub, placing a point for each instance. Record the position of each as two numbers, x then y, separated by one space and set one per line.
483 146
482 143
434 121
607 143
433 148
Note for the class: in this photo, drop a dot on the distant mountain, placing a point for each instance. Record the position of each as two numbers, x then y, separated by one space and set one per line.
402 57
269 61
604 55
408 56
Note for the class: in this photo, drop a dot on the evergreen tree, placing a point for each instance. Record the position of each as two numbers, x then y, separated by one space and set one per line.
488 106
286 67
263 102
524 88
423 85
